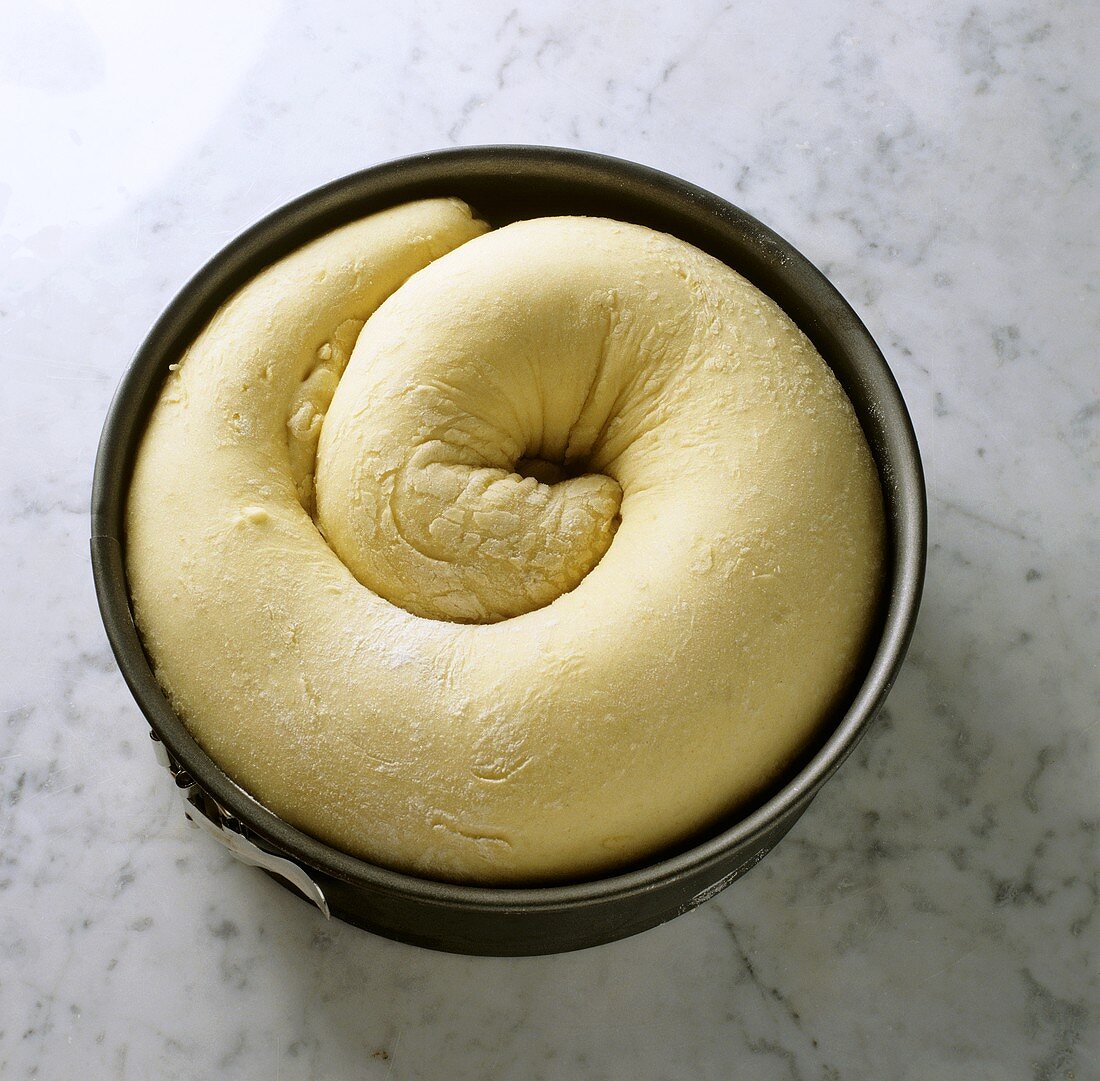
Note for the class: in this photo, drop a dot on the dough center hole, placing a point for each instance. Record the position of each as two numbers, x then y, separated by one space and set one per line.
548 472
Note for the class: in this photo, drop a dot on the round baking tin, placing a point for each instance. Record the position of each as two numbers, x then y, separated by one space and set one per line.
508 183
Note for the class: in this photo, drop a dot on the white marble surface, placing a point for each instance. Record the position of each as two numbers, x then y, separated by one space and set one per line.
935 914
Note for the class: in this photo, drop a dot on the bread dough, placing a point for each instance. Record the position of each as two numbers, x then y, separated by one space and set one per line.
466 673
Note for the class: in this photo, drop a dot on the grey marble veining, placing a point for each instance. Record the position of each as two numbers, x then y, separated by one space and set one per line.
934 915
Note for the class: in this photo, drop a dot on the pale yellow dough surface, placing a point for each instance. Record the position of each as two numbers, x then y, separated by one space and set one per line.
462 672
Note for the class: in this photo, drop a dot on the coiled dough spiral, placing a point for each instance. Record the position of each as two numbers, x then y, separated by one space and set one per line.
378 619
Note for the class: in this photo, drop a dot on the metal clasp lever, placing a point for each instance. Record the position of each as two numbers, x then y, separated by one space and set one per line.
206 813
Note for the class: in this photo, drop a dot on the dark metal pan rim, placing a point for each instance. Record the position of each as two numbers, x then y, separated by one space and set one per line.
324 204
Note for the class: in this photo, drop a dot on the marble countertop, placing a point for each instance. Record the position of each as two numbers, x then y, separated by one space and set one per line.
934 915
